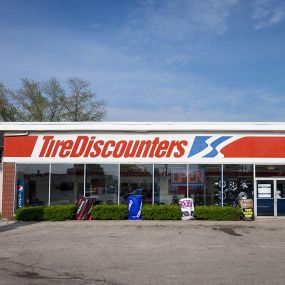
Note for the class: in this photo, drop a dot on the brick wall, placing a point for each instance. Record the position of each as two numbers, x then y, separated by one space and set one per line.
8 190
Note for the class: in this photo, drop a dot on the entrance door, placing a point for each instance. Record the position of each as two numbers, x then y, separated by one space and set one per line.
270 197
280 197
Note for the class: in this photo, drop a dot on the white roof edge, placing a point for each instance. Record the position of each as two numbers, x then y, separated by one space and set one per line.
142 126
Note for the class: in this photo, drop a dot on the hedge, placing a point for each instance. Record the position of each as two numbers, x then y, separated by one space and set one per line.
60 213
120 212
110 212
217 213
46 213
161 212
35 213
149 212
166 212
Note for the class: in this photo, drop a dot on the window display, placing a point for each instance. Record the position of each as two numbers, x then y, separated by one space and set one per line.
237 183
167 183
34 179
136 179
67 183
102 183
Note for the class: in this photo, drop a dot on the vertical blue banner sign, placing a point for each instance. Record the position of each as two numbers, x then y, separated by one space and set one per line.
135 207
20 193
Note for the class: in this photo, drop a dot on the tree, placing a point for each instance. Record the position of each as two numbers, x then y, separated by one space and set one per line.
32 103
48 101
56 100
8 111
82 104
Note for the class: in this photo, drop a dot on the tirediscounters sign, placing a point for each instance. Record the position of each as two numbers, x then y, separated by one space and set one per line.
143 148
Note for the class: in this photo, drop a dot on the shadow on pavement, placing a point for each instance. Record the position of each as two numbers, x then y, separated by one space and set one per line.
14 226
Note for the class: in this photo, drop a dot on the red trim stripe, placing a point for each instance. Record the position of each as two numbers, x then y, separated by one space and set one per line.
20 146
256 147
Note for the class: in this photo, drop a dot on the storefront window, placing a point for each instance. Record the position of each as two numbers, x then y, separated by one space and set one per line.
270 170
136 179
67 183
170 183
102 183
35 179
238 183
212 185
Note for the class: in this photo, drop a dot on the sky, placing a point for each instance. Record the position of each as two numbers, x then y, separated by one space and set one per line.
154 60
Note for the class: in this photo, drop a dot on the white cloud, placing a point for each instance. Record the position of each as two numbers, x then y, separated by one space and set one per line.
267 13
174 27
212 15
178 19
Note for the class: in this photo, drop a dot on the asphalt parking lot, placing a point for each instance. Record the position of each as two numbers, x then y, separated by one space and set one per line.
143 252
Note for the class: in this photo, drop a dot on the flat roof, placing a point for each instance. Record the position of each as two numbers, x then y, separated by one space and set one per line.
143 126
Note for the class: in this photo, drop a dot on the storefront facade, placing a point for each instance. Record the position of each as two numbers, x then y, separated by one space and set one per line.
214 163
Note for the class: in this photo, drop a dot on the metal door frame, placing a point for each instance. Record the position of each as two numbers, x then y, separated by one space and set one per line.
274 179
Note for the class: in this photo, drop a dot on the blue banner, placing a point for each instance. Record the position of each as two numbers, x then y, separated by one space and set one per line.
135 207
20 193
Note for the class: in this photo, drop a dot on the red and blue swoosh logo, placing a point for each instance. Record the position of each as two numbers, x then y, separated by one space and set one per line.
200 144
244 147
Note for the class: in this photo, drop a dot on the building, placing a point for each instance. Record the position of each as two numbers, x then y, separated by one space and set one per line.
214 163
1 183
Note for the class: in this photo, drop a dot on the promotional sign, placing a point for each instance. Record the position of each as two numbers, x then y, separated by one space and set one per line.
135 207
247 209
248 214
187 208
264 190
84 209
246 203
180 176
144 148
20 193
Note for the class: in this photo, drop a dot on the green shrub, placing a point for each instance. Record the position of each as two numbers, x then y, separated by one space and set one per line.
161 212
0 216
166 212
30 213
149 212
217 213
110 212
120 212
59 213
46 213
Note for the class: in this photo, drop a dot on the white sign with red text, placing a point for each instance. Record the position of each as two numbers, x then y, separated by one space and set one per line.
143 148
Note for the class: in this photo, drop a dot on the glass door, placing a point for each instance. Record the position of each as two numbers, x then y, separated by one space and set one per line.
280 197
270 197
265 197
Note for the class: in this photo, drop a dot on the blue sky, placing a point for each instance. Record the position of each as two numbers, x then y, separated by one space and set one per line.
171 60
